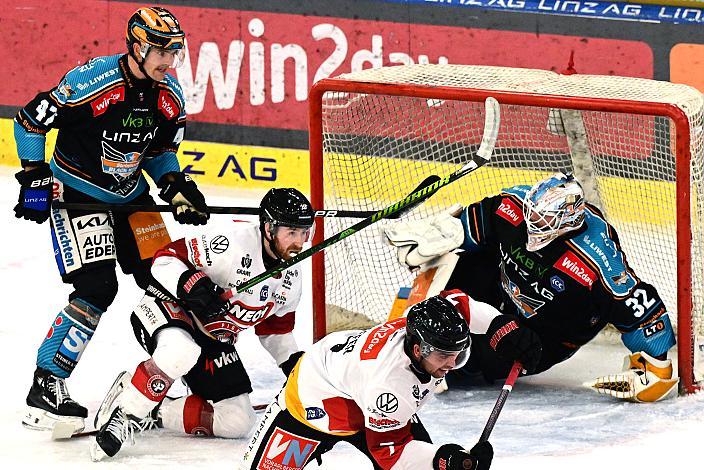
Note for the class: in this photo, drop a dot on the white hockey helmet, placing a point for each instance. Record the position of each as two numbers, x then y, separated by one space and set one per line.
553 207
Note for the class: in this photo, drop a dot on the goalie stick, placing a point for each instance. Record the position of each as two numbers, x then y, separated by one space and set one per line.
508 386
63 430
427 188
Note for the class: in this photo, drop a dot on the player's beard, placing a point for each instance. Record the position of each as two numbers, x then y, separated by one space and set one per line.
285 253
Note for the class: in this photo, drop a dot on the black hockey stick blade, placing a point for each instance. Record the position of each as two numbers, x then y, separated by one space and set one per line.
508 386
104 207
427 188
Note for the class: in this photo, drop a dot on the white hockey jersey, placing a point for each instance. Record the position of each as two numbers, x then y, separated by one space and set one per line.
353 381
229 259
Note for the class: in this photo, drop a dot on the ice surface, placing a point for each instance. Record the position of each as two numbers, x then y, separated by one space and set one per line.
549 421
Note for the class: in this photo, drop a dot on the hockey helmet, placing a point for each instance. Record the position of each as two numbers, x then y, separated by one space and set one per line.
155 27
436 325
286 207
553 207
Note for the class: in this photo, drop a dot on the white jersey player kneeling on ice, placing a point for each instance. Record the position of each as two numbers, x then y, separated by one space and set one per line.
365 387
189 321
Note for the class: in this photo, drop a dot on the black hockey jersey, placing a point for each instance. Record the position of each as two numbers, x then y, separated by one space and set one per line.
568 290
111 126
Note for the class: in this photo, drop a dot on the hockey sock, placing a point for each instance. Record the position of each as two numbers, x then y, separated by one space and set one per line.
67 338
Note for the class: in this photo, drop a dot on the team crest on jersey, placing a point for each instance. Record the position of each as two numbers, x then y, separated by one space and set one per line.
510 211
286 451
119 164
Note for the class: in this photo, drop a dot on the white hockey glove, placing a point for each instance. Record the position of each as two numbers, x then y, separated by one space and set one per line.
644 379
419 241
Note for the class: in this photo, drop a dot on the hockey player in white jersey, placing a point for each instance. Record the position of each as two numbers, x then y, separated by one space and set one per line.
189 321
365 387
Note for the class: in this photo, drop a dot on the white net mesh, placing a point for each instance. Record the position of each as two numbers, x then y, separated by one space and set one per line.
378 147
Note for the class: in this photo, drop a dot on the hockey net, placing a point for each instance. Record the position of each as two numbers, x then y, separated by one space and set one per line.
636 145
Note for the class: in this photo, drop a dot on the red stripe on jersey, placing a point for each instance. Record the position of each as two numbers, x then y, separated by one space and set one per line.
275 325
387 447
378 337
343 414
176 249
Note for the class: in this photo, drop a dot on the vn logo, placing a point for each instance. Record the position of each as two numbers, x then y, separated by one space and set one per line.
286 451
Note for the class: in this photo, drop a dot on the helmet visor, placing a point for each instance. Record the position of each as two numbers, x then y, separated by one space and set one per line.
173 57
439 355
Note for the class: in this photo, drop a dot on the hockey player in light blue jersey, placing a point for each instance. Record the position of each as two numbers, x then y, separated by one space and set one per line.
116 116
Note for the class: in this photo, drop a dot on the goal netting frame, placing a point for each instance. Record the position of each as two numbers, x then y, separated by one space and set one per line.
673 115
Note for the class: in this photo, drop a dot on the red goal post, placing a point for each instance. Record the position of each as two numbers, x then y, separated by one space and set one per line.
635 144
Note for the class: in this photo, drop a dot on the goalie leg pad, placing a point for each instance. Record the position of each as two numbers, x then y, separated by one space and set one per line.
644 380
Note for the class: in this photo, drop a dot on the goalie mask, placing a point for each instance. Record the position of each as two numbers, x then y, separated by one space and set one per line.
286 219
155 28
553 207
437 326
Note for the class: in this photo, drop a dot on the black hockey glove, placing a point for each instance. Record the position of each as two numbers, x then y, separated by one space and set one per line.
201 296
34 202
288 365
513 342
180 190
454 457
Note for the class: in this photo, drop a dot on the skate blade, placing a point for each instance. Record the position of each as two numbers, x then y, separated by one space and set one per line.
42 420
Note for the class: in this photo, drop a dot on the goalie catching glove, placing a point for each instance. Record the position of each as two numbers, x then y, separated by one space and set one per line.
644 379
180 190
420 241
513 342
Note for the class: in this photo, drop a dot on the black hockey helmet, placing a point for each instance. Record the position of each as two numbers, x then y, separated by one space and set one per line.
436 325
286 207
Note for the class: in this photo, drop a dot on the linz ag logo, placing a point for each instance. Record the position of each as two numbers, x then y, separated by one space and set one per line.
246 261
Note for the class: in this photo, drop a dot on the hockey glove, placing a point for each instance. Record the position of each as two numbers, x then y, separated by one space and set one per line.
513 342
420 241
181 191
288 365
34 202
201 296
644 379
454 457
